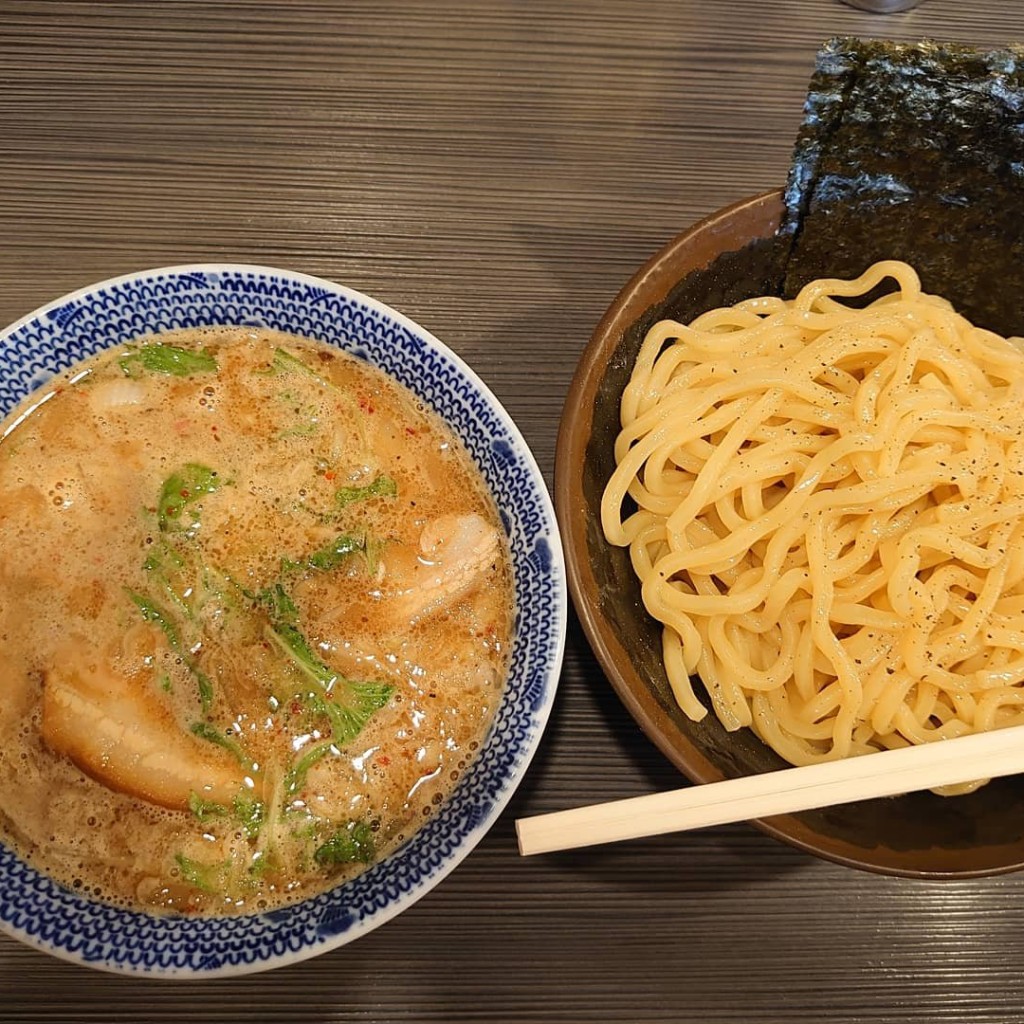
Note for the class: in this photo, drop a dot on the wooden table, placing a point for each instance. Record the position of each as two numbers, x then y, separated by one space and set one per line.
496 169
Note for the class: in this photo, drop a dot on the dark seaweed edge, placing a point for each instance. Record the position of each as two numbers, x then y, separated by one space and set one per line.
913 151
832 81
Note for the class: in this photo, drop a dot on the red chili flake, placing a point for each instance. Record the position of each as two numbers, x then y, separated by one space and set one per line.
330 475
411 432
296 707
383 760
184 493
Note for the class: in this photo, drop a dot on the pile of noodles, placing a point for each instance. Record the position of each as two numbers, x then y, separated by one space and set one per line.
830 516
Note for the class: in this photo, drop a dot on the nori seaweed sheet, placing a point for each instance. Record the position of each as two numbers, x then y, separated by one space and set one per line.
914 152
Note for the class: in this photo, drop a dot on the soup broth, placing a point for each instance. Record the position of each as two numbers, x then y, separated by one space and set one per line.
255 609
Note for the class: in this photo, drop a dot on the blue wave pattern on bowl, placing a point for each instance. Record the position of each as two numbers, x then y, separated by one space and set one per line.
35 908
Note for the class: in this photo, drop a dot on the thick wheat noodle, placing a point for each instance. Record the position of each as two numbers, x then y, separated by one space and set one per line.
829 516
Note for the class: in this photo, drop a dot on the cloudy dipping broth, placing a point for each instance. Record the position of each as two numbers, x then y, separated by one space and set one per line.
255 611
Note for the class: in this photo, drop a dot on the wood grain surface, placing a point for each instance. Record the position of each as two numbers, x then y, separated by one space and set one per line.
496 169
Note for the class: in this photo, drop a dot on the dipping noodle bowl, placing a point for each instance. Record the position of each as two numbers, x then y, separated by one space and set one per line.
262 634
288 632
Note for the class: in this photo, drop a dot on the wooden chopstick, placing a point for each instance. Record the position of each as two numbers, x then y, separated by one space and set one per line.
888 773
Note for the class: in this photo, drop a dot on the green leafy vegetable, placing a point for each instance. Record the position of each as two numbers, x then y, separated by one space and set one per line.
251 815
330 556
382 487
180 575
354 843
348 719
278 605
333 554
261 864
221 586
152 612
205 809
205 687
210 733
309 414
348 704
285 363
161 564
188 583
183 488
295 777
167 359
207 877
292 643
303 430
163 559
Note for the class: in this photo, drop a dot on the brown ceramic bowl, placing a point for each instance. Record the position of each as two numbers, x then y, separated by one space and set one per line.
729 256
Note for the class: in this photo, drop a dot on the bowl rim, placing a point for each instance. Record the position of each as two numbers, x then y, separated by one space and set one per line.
540 710
753 218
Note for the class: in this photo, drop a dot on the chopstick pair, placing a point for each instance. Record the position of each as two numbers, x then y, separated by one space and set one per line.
888 773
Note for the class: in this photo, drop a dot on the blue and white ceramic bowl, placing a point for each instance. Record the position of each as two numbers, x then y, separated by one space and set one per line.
47 915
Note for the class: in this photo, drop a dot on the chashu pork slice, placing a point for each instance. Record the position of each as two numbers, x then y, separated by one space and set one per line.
455 554
117 731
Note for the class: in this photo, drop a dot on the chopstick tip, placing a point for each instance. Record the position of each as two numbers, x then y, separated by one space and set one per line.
519 838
